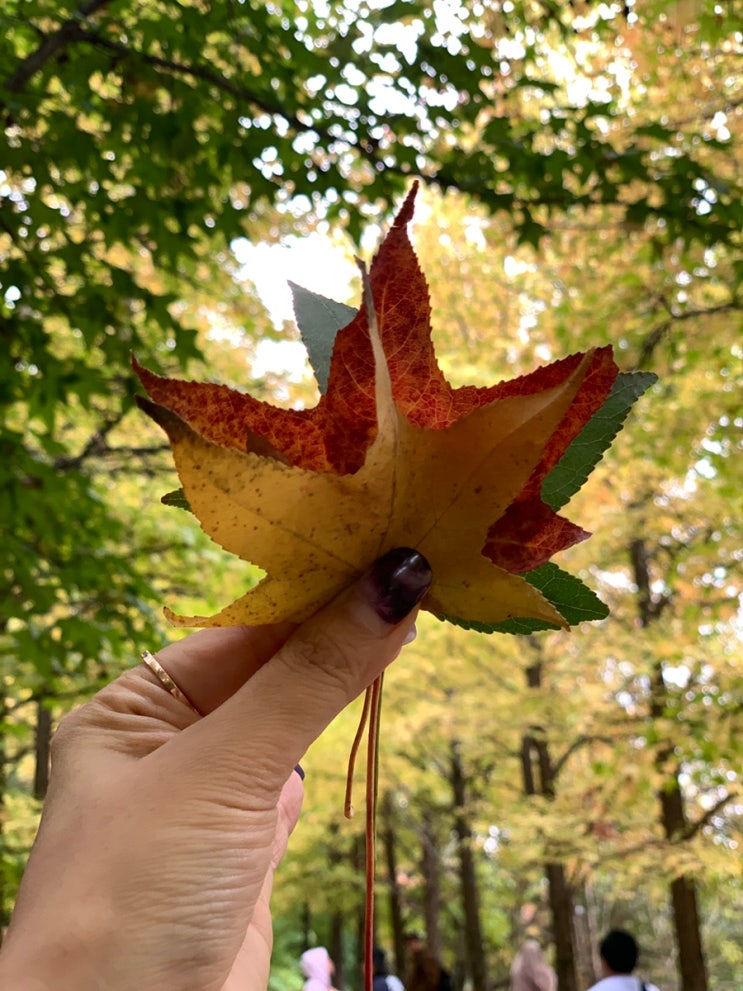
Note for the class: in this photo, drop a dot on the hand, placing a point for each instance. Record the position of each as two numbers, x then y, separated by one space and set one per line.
161 831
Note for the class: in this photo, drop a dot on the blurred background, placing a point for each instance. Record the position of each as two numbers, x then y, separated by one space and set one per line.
166 166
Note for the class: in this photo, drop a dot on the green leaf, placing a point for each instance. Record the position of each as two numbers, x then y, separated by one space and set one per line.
568 594
176 498
585 452
319 319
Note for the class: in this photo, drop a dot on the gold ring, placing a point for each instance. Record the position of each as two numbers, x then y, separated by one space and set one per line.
166 681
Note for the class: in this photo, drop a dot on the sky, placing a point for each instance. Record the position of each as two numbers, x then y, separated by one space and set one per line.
314 261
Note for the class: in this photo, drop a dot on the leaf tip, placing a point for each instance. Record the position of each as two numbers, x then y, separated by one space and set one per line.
405 213
176 498
145 376
175 620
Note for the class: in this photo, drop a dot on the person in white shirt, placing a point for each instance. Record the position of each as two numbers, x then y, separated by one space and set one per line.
618 951
383 980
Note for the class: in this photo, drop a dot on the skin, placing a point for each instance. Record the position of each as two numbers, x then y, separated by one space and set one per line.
162 830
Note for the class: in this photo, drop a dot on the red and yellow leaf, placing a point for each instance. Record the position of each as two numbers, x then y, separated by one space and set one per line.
392 455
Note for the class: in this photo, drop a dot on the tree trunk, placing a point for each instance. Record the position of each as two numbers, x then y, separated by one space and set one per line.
306 926
42 746
686 922
336 919
358 863
561 908
431 871
335 948
539 779
389 846
468 875
688 935
586 938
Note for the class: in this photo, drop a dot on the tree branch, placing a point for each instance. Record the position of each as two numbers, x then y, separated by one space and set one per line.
95 446
98 446
203 73
654 338
694 827
70 31
73 31
579 742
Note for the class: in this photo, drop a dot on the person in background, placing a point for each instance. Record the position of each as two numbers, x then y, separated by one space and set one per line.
317 968
619 952
383 980
530 971
425 971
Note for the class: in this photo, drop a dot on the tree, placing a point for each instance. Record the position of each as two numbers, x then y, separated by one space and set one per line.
141 139
540 774
601 820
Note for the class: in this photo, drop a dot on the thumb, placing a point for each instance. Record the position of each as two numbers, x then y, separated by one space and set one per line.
266 726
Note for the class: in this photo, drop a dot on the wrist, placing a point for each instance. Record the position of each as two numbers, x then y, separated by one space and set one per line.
38 970
66 956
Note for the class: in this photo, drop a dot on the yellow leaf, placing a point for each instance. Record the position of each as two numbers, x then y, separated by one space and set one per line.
435 490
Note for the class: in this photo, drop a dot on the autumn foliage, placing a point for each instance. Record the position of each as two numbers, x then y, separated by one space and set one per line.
391 455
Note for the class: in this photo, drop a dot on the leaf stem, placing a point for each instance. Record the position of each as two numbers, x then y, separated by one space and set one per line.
348 801
372 777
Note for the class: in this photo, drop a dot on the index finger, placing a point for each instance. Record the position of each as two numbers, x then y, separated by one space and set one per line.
211 665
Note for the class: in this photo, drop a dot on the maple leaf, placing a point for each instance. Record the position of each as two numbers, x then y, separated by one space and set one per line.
391 455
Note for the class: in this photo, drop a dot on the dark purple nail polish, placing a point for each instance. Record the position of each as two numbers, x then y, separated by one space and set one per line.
300 771
399 580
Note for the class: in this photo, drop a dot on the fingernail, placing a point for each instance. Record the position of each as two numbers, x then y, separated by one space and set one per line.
412 634
300 771
399 580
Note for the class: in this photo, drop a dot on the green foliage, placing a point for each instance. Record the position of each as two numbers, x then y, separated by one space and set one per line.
140 139
319 319
574 467
176 498
576 602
